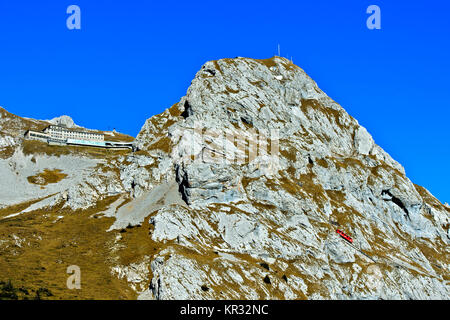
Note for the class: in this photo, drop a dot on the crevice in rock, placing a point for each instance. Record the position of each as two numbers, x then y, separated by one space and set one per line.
205 288
187 110
156 289
159 288
247 121
265 266
397 201
183 184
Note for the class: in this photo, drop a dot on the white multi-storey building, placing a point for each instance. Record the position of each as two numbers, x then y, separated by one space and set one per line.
62 133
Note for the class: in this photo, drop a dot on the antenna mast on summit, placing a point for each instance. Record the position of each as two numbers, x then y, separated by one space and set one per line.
279 54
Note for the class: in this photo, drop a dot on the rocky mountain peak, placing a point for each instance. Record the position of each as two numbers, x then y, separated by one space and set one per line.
312 169
238 191
262 99
65 121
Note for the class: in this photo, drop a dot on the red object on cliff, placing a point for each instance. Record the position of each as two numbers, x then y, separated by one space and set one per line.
343 235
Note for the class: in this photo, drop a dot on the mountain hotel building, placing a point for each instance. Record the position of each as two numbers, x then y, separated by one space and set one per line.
60 135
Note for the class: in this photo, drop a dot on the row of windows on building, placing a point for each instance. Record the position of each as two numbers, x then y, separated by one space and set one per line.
69 131
76 134
60 133
37 135
63 133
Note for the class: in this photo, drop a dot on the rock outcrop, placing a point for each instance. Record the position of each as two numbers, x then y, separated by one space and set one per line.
64 121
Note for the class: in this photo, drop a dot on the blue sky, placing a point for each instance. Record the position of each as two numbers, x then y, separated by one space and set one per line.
133 59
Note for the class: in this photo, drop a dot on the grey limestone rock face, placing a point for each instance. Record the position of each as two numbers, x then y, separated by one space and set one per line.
65 121
283 207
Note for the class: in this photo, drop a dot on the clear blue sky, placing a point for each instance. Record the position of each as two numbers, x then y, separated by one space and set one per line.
133 59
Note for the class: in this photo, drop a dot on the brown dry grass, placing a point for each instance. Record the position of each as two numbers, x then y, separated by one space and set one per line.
289 153
316 191
19 207
322 163
229 90
163 144
46 177
336 195
347 162
332 114
7 152
267 62
37 147
291 171
217 66
50 247
174 110
290 186
119 137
